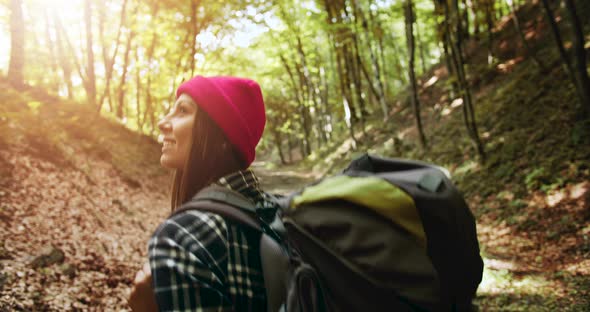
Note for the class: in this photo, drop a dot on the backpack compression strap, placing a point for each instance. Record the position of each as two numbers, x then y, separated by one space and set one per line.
232 205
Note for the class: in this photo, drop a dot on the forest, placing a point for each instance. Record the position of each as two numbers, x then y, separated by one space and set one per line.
496 91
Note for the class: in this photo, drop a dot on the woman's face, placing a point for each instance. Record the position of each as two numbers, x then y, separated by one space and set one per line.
176 129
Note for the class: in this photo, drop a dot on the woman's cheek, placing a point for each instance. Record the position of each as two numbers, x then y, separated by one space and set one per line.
187 137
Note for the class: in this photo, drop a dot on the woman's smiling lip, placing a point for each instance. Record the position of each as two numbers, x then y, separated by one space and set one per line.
168 144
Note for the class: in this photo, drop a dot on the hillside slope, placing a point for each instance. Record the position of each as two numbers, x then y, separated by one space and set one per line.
72 186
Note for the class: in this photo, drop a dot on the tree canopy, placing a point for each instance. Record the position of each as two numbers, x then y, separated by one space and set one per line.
325 66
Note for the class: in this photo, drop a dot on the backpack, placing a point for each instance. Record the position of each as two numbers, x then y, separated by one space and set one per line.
384 235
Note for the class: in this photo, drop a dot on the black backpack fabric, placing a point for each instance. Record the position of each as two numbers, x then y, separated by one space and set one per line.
384 235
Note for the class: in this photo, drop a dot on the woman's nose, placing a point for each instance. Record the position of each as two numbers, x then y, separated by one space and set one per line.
164 124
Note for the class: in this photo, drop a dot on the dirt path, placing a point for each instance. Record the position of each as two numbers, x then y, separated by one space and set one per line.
282 180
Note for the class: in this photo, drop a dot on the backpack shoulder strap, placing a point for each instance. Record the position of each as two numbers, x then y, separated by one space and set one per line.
236 207
224 202
275 267
224 195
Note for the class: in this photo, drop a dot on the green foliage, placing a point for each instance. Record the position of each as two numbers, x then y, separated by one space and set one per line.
535 179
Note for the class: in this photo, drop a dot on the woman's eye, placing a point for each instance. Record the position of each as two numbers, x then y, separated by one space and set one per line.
182 110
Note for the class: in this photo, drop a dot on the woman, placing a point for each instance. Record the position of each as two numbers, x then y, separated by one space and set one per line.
199 260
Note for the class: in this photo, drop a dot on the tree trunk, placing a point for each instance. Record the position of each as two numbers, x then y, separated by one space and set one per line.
148 90
562 53
138 91
328 114
380 95
91 79
449 63
123 82
355 85
444 37
384 67
323 114
379 33
306 149
63 36
580 56
525 44
306 81
399 70
302 148
409 19
458 62
54 84
194 31
172 95
350 76
290 146
365 72
17 44
420 48
278 142
489 8
109 62
71 55
105 54
334 18
465 20
473 9
62 57
347 102
358 84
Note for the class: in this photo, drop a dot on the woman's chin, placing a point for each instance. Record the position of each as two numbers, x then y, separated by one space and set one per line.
166 162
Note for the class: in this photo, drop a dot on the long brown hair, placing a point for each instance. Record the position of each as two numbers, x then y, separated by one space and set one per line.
211 157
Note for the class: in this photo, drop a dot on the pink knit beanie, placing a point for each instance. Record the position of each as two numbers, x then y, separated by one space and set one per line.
235 104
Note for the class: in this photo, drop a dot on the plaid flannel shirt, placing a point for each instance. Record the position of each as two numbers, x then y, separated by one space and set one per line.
203 262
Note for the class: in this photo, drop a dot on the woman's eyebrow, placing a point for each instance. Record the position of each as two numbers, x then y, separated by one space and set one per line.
186 102
180 102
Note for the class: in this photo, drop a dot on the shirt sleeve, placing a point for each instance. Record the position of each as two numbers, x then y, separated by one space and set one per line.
188 257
